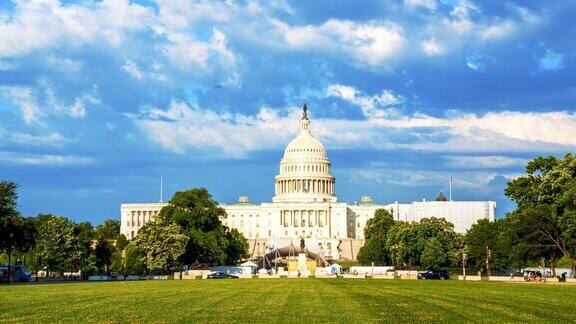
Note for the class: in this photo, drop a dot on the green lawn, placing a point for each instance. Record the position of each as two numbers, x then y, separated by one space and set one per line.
293 300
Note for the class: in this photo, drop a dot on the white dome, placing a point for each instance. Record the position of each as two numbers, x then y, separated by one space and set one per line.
304 146
304 173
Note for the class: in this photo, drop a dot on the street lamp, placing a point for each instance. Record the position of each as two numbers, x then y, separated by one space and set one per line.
10 242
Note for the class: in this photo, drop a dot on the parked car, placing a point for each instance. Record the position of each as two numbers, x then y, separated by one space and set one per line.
221 275
19 273
434 274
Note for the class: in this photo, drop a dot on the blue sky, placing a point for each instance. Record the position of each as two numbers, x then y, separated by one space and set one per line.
98 99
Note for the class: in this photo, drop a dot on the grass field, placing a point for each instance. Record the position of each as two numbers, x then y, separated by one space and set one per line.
292 300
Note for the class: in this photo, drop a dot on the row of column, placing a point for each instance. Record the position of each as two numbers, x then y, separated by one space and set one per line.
304 218
306 168
139 218
305 185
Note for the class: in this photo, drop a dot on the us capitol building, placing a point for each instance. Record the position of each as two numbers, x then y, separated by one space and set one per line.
305 206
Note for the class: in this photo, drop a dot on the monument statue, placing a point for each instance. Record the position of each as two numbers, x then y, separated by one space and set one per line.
302 243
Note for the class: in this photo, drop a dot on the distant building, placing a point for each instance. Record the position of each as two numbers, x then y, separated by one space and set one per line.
305 206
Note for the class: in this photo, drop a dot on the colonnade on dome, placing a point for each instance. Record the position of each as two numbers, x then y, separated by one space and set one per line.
313 186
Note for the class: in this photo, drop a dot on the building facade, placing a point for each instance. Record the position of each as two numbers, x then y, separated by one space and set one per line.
305 206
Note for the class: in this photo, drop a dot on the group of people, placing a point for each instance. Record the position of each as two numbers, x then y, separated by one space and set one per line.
533 276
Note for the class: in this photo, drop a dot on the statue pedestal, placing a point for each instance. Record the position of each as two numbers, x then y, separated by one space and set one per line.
302 265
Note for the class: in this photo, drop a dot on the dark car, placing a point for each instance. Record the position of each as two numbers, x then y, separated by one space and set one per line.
19 273
434 274
221 275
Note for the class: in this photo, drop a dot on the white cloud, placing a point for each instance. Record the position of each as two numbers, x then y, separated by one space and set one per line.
497 30
491 161
15 158
77 109
428 4
132 69
51 139
551 61
475 181
64 65
431 47
464 9
372 106
184 51
181 128
370 43
24 98
47 23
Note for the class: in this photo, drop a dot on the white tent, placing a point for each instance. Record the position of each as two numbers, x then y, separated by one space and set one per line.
249 264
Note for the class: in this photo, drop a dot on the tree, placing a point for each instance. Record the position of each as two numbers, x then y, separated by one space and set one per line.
103 253
210 242
406 242
480 238
118 255
433 256
135 260
237 246
109 229
82 256
162 245
375 232
54 244
16 233
546 200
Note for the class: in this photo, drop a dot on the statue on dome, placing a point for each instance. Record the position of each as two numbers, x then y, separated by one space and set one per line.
305 115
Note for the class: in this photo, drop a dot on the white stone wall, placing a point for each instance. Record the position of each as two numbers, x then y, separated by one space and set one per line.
463 214
134 216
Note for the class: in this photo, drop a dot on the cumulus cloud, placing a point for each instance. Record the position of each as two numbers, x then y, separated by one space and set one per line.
370 43
48 23
431 47
25 99
181 128
372 106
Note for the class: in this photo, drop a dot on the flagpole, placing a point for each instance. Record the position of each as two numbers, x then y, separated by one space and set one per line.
161 187
450 180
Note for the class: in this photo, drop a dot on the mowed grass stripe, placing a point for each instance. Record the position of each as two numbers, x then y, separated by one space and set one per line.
288 300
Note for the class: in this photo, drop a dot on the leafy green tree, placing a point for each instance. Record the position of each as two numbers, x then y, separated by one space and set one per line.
162 245
401 244
135 260
546 200
480 238
82 256
375 232
109 229
117 263
17 234
406 242
210 242
103 253
433 256
54 245
236 246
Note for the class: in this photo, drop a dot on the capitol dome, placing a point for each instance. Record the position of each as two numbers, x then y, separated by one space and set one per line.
304 145
305 169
